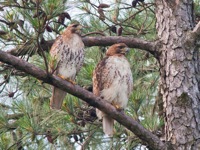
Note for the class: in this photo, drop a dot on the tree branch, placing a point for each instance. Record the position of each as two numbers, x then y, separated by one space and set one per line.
196 30
104 41
145 135
129 41
14 116
193 36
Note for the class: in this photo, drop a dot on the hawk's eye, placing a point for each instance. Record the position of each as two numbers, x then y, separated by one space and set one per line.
121 47
75 25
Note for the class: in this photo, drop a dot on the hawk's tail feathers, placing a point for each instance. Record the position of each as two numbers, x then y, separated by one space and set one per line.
108 124
99 114
57 98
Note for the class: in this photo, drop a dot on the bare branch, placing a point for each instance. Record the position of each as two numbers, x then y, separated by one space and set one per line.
129 41
14 116
196 30
193 36
145 135
106 41
5 106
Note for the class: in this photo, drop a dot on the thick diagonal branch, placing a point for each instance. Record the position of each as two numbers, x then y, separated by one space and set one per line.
103 41
145 135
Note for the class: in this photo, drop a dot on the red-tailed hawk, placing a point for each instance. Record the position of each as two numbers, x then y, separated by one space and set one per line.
112 81
67 54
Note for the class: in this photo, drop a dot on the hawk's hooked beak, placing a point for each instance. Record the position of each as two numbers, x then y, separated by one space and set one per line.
125 50
79 27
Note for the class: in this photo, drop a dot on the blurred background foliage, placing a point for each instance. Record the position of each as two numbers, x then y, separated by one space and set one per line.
26 122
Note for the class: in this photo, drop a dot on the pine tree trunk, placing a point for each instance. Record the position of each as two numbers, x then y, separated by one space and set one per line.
179 68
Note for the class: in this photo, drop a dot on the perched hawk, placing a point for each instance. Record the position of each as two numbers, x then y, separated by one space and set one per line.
67 54
112 81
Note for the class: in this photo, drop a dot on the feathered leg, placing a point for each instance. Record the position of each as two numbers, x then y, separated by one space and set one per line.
57 98
108 124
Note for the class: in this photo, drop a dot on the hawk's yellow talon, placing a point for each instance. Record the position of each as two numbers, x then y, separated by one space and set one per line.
67 79
61 76
116 106
71 81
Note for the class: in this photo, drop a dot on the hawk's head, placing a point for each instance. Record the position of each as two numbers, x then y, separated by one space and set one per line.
119 48
74 28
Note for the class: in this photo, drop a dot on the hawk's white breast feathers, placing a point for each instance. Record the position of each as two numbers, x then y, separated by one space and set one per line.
121 76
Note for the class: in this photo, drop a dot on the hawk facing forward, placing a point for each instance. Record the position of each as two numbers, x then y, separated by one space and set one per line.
67 54
112 80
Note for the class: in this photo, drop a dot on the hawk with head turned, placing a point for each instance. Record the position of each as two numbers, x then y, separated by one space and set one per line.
112 81
67 54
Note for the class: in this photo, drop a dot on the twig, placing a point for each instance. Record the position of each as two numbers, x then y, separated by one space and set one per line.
87 140
38 43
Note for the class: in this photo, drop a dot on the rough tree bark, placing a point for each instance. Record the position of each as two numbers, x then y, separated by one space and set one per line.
179 71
